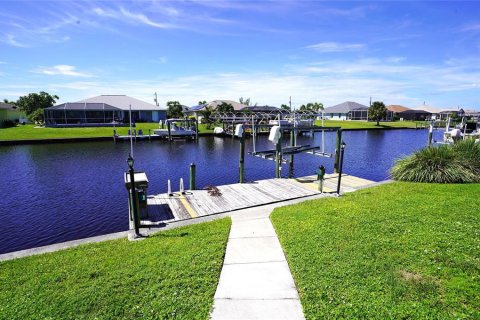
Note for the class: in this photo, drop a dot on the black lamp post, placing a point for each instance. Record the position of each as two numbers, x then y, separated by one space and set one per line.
130 162
342 151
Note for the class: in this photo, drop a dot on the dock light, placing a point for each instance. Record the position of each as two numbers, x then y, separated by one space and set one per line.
133 190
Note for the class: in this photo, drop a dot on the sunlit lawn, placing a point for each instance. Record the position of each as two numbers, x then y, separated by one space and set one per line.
171 275
398 251
29 132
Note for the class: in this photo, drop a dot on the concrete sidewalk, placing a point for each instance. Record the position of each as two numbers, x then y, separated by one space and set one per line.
255 282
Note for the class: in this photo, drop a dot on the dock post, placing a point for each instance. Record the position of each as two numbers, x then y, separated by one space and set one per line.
342 151
241 163
149 135
430 135
114 135
169 188
337 150
292 144
169 132
192 176
182 189
196 127
278 160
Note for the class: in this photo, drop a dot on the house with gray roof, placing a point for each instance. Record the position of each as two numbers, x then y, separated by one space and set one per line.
103 110
347 111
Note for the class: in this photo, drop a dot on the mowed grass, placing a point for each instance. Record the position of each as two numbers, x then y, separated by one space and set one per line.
353 124
171 275
397 251
29 132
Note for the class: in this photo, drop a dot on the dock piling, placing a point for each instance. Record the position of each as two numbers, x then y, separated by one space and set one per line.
169 188
292 144
278 160
192 176
337 150
241 164
430 135
342 151
182 189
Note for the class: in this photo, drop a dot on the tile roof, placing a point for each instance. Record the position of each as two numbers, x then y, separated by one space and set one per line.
123 102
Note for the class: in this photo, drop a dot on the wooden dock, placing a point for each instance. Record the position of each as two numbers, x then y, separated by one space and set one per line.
196 203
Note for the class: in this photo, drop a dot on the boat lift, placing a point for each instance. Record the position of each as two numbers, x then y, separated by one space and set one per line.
277 154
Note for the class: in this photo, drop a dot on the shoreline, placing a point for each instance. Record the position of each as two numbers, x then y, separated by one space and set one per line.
204 134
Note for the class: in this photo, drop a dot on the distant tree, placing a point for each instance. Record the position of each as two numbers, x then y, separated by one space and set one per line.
224 107
202 102
312 106
174 110
244 101
285 107
317 106
377 111
34 103
13 103
207 116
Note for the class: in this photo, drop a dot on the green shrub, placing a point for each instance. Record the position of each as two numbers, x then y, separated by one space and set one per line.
459 163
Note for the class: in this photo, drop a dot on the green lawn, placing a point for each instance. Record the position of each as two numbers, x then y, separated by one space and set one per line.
397 251
171 275
28 132
349 124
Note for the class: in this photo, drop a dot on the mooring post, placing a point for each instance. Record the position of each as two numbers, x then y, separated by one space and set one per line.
114 135
133 197
169 131
241 164
430 135
337 150
278 160
196 127
342 151
292 144
192 176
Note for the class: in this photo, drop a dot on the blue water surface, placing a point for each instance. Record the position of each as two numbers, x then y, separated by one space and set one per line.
59 192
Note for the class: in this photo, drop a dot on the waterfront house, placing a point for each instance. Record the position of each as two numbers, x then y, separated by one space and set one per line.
9 112
103 110
347 111
415 115
395 109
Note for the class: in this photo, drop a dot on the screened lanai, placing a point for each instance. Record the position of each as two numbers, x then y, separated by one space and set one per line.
82 113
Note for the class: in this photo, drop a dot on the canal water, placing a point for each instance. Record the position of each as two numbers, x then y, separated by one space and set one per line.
59 192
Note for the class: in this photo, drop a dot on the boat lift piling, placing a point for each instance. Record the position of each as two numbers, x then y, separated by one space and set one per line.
337 150
240 133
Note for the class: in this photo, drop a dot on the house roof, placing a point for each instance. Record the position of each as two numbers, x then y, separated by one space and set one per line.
7 106
428 109
415 111
261 108
123 102
237 106
84 106
397 108
345 107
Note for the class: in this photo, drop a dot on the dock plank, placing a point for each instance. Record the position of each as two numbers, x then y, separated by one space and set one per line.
240 196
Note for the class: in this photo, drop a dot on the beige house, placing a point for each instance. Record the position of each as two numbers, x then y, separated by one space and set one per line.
9 112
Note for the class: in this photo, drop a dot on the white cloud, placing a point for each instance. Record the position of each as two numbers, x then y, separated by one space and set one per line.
472 27
11 40
336 47
137 18
61 69
160 60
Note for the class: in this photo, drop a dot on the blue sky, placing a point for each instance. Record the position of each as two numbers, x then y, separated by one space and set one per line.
398 52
